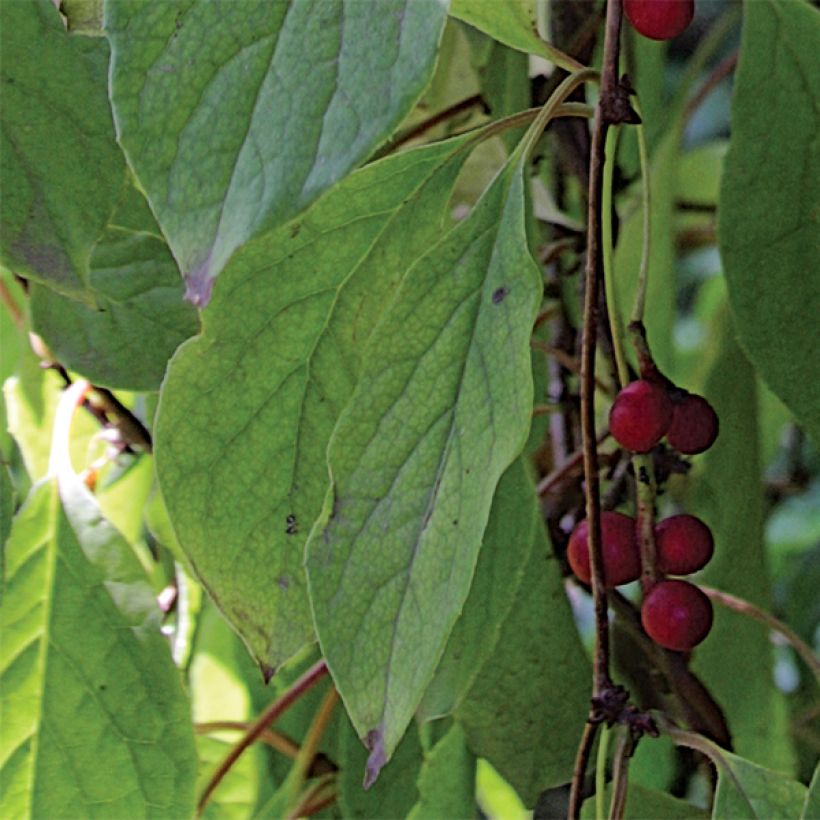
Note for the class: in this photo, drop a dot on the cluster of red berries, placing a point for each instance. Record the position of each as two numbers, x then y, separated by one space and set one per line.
675 613
659 19
645 411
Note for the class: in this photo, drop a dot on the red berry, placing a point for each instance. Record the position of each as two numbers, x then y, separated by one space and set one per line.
640 416
622 561
660 19
684 544
676 615
694 425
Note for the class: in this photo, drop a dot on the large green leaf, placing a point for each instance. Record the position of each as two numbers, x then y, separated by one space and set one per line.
498 576
442 407
95 720
769 232
528 699
642 803
236 116
746 790
727 494
139 318
512 22
248 408
60 166
446 780
394 793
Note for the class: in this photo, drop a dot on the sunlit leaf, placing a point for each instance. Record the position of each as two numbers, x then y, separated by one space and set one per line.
441 409
96 723
513 23
234 125
247 409
499 575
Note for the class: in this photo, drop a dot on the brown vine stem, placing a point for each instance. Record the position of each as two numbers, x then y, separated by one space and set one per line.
431 122
275 740
719 73
12 307
613 107
277 708
747 608
551 480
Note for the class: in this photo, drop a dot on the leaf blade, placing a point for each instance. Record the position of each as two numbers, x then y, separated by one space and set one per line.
768 202
234 124
449 362
278 358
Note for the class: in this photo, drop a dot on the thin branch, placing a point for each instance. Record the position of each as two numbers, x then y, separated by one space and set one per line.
12 307
576 794
567 361
609 111
132 430
431 122
109 411
749 609
613 107
276 740
719 73
277 708
549 481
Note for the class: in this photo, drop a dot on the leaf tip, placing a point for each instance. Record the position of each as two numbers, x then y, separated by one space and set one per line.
268 672
377 757
200 284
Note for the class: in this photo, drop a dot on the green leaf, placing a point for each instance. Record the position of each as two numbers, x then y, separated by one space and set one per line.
96 723
811 808
529 698
446 781
244 473
513 23
746 790
139 319
642 803
60 166
441 409
727 494
498 576
769 236
236 117
394 792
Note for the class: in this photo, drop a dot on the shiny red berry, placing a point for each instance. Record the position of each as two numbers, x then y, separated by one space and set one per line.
684 544
694 426
659 19
676 615
640 416
622 561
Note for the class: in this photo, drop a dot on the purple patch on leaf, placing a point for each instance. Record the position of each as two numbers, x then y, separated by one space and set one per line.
200 284
377 758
